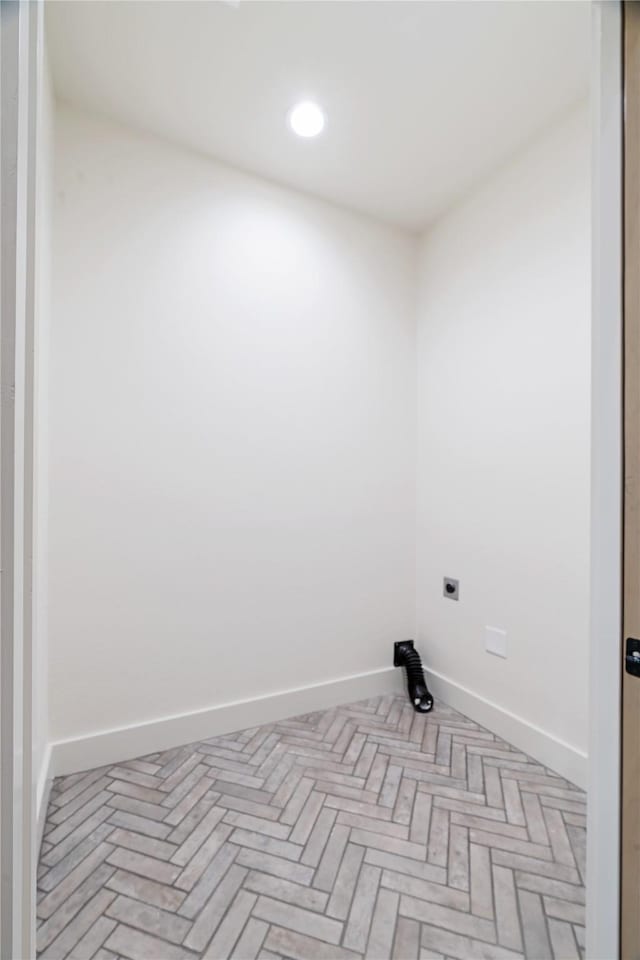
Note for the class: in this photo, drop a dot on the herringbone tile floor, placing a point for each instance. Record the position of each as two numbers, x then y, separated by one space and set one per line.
366 830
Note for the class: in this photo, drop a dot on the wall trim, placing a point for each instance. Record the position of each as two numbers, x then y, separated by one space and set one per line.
556 754
136 740
43 790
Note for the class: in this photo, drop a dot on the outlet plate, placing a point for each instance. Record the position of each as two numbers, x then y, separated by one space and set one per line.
451 588
495 641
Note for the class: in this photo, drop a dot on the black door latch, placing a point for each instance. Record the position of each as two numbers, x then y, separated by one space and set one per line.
632 657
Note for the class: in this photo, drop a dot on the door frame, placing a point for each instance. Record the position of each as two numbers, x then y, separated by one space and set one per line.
18 847
21 27
630 782
603 812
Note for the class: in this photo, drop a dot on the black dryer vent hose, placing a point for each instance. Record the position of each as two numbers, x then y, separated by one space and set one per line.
405 655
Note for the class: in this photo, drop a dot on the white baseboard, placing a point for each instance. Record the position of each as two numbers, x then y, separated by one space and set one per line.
126 743
43 789
543 746
136 740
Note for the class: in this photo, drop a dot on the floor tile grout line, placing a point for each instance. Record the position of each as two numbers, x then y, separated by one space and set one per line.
74 915
377 718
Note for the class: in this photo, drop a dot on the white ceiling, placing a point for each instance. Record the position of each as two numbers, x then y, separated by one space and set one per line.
422 98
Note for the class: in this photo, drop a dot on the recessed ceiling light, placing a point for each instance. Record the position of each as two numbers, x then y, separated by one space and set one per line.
306 119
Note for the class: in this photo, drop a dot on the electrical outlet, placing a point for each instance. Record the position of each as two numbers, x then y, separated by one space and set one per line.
495 641
451 588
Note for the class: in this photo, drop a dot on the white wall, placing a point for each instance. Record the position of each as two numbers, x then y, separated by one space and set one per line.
503 463
233 439
44 228
232 430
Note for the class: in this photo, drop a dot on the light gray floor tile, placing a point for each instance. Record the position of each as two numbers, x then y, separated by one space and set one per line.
363 831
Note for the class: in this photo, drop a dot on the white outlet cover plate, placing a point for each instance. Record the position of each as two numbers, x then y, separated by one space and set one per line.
495 641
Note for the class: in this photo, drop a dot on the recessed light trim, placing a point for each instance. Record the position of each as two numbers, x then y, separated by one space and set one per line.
306 119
